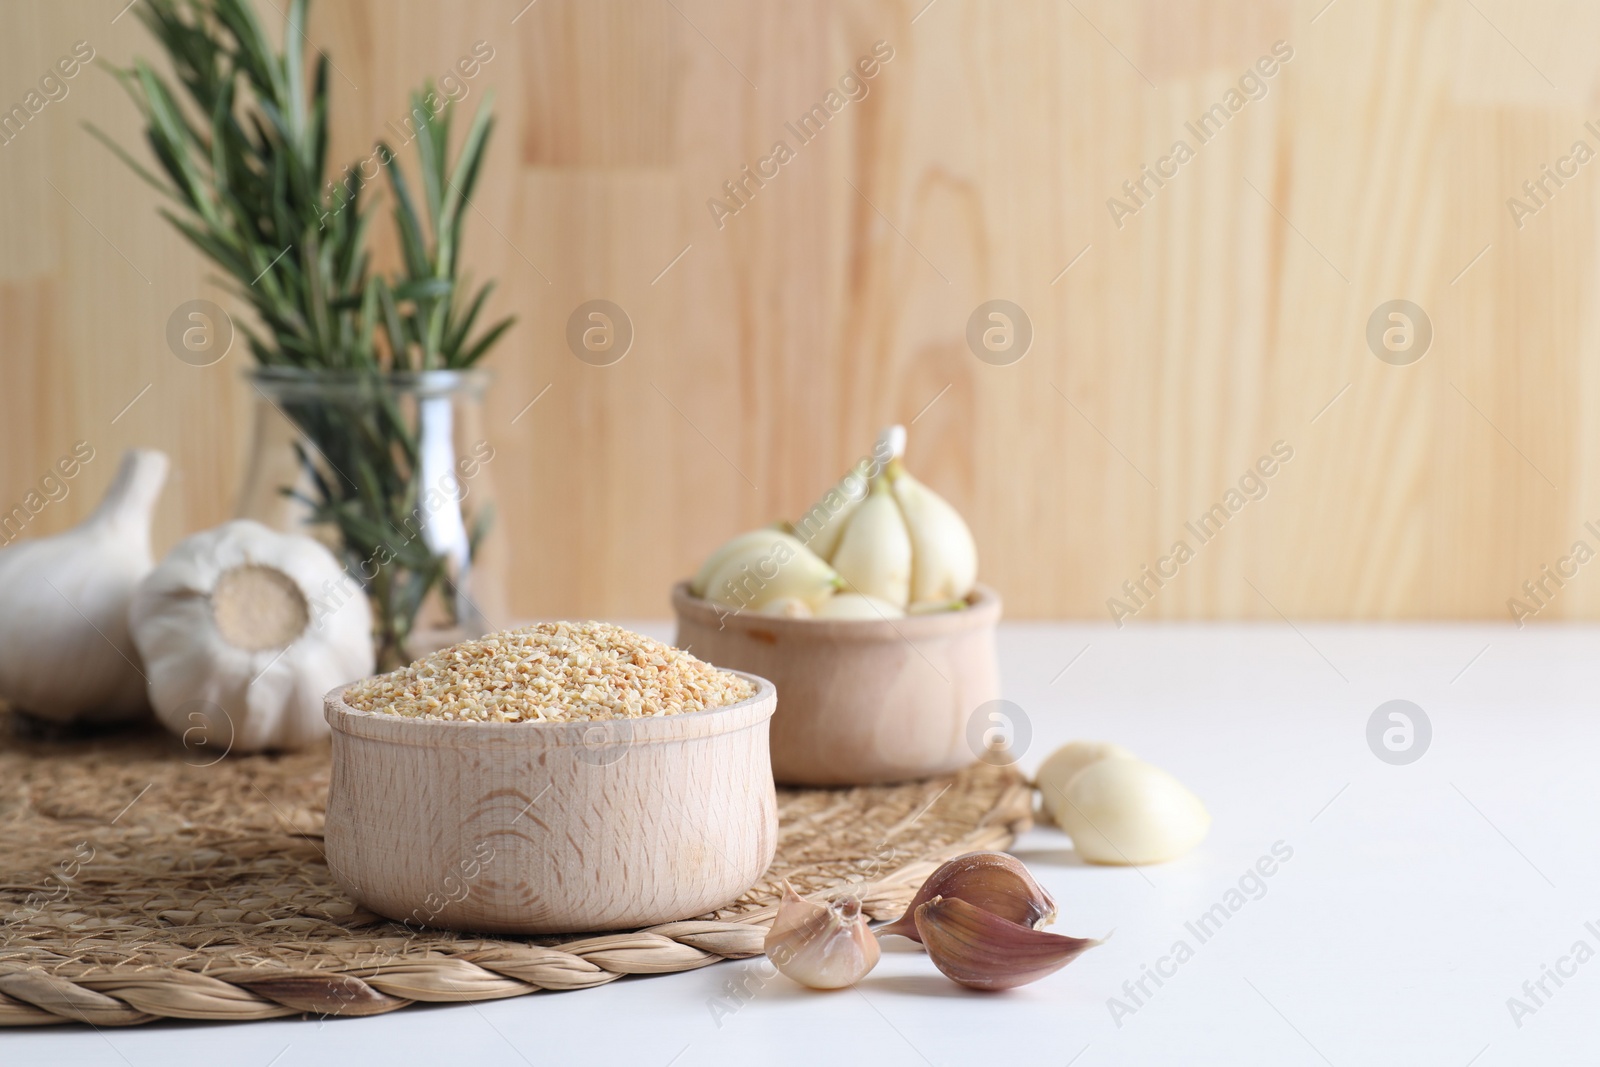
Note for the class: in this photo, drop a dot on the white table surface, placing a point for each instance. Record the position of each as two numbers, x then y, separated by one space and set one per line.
1417 901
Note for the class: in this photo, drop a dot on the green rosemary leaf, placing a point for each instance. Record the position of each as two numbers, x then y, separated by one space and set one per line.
316 294
294 36
134 165
369 324
430 147
425 289
399 343
466 176
219 143
319 117
168 119
355 266
464 321
484 343
259 64
212 244
314 472
409 226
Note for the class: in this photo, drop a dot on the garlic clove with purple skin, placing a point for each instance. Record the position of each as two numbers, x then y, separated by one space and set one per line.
993 881
821 946
980 950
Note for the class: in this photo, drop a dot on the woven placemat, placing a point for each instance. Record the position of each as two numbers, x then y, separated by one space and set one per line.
140 881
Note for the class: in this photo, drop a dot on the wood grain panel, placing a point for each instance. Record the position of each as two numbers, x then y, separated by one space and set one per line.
1227 313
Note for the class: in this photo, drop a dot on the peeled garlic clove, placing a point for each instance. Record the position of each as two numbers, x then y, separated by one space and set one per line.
789 607
944 557
994 881
980 950
1124 811
768 567
857 606
1066 761
874 555
822 946
65 651
725 551
824 522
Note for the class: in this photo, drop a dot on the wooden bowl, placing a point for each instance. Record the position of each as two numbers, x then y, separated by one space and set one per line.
546 828
864 700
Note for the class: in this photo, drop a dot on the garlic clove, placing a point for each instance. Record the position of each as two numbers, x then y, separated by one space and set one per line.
1066 761
944 556
857 606
821 946
65 650
1127 812
789 607
824 522
980 950
727 550
994 881
770 566
874 555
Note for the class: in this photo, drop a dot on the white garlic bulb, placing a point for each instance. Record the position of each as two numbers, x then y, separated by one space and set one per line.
243 630
65 653
1120 810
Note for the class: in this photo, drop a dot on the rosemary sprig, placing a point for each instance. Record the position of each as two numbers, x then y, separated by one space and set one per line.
241 147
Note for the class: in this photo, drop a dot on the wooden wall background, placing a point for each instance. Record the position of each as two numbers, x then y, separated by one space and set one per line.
1227 314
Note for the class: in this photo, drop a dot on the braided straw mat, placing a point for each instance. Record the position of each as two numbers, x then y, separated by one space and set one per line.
139 883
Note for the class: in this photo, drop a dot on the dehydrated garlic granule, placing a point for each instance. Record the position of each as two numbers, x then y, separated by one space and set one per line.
552 672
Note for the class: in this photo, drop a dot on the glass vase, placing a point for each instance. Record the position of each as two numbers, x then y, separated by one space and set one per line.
391 471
